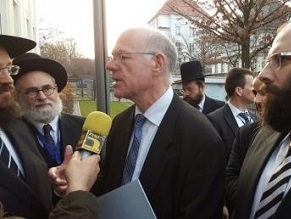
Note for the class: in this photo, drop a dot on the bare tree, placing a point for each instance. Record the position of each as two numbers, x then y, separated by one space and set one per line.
64 51
249 24
58 48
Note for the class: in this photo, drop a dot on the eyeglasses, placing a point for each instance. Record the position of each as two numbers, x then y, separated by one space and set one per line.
12 69
276 60
33 91
121 56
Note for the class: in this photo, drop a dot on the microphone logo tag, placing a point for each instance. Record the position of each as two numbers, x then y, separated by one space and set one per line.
93 142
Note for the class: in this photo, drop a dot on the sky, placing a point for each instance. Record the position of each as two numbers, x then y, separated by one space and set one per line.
75 19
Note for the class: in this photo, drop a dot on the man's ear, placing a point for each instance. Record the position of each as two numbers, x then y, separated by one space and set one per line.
159 63
238 91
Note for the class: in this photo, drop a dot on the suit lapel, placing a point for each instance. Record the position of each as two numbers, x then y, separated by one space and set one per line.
207 105
35 169
230 120
67 130
120 137
158 153
263 145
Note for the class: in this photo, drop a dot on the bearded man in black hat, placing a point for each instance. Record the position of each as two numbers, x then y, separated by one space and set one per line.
24 185
38 84
193 82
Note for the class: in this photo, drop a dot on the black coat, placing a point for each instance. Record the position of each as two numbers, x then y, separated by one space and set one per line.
30 198
70 132
183 173
225 124
211 104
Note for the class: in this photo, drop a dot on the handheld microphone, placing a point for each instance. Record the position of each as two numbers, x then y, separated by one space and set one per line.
94 131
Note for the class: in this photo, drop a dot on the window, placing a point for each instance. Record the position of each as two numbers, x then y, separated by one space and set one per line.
178 30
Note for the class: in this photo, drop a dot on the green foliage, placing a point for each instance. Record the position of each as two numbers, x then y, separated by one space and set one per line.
87 106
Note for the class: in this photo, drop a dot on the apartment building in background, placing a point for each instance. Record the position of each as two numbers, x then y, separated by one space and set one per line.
18 18
186 39
183 35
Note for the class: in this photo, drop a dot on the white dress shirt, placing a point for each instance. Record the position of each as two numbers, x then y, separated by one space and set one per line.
154 116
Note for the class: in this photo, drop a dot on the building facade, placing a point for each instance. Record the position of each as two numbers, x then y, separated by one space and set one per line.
18 18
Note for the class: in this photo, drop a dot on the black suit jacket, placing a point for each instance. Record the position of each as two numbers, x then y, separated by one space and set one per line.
243 139
70 132
254 163
225 124
211 104
183 173
30 198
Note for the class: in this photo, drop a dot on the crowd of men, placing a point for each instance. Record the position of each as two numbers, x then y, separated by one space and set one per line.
195 157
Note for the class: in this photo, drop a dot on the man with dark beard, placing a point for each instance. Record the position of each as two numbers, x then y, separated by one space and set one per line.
38 82
24 185
263 189
193 82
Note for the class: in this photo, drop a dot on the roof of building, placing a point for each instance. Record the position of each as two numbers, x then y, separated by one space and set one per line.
167 8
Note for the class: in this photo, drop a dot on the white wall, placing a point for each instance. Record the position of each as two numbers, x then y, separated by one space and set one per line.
18 18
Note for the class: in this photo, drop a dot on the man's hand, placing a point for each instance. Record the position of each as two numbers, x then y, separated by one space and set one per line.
82 173
57 174
74 173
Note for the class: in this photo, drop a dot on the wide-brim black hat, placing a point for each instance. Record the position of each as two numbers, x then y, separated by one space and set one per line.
16 46
33 62
191 71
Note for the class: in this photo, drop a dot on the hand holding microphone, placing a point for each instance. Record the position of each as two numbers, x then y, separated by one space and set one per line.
95 129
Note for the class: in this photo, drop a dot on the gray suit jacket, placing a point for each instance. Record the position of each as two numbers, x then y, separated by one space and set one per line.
256 158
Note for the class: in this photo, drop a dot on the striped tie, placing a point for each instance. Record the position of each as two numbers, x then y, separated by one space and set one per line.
275 189
7 159
133 153
246 117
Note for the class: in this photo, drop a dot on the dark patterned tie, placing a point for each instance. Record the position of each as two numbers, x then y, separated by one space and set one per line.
246 117
275 189
49 143
133 152
8 160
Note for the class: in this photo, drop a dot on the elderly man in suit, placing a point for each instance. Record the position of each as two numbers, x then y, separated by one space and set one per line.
193 82
227 119
172 149
263 189
24 185
38 83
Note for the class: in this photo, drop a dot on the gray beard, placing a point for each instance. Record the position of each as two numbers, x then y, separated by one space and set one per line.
42 115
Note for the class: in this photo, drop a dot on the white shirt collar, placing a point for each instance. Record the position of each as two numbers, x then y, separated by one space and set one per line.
235 111
201 104
53 123
156 112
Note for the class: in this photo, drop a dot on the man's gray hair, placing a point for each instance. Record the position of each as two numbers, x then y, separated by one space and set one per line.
157 41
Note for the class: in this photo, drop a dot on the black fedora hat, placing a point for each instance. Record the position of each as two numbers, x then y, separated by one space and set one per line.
191 71
33 62
16 45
